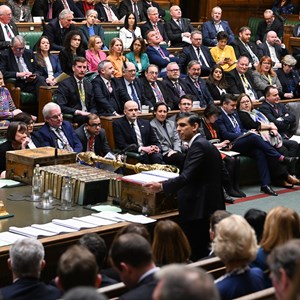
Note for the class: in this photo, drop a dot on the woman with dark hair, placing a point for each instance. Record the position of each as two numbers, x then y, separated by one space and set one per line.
48 64
16 139
73 46
94 55
116 56
216 83
283 7
21 10
224 54
130 31
166 133
138 56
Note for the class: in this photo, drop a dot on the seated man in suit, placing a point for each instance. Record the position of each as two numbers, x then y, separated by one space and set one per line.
57 29
197 85
109 95
178 29
274 48
157 55
18 62
270 23
132 6
107 12
133 86
26 261
131 130
131 256
60 5
240 80
175 86
56 132
8 28
43 8
243 47
154 24
196 51
147 4
211 28
75 95
155 89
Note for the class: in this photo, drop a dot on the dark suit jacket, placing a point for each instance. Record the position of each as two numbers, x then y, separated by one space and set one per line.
124 136
28 289
296 50
156 58
66 60
101 144
174 31
209 33
240 50
50 138
161 12
148 26
126 7
214 91
264 50
286 79
262 30
3 43
108 103
68 98
40 8
150 94
188 54
195 187
54 60
102 16
58 7
204 97
85 32
53 32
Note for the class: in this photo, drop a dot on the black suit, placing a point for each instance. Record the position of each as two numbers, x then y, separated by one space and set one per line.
296 50
151 96
101 146
102 15
4 44
199 182
263 50
40 8
262 29
214 91
174 31
188 53
98 30
289 82
55 34
161 12
68 98
124 136
126 7
108 103
241 50
58 7
148 26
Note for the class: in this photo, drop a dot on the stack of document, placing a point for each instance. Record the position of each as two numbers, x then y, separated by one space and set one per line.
150 176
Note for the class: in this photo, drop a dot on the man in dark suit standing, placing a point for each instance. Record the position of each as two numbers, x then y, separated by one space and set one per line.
75 95
196 51
92 136
57 29
154 24
178 29
195 187
243 47
131 130
107 12
26 261
109 95
8 28
132 258
132 6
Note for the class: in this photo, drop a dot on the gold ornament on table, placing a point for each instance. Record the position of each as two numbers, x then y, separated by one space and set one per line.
91 158
3 211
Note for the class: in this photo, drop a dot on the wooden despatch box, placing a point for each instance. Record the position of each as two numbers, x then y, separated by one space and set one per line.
21 163
134 197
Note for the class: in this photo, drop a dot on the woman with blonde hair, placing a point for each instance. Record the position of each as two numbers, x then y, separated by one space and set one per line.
170 244
94 55
235 244
116 56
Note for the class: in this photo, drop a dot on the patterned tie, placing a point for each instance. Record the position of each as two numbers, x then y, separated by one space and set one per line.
179 89
65 4
161 52
236 125
64 140
134 95
109 87
157 92
8 32
108 13
50 10
91 143
20 66
157 30
136 12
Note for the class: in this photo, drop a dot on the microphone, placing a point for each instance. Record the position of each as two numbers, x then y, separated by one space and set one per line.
131 147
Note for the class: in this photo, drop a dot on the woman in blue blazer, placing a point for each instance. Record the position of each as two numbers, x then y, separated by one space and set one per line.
138 56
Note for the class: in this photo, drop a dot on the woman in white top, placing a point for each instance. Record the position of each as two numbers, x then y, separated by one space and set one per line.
130 31
48 64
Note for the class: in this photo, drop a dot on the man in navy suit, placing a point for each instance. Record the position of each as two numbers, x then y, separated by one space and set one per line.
132 130
26 261
75 95
56 132
178 29
8 28
109 95
196 85
157 55
132 6
132 258
200 181
107 12
211 28
196 51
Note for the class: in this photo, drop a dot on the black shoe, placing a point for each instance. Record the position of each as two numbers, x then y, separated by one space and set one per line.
236 193
227 198
242 194
290 160
268 190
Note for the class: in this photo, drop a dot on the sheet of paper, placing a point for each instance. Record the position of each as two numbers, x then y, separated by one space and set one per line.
106 208
53 228
143 178
95 220
229 153
137 218
31 231
75 224
9 182
295 138
109 215
161 173
10 237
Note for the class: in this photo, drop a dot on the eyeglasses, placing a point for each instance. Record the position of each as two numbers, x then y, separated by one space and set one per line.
56 117
20 48
153 73
95 125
